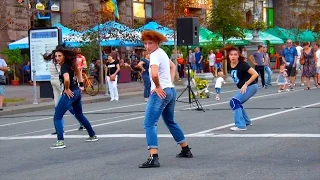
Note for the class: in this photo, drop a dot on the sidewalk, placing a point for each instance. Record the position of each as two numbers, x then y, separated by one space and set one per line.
126 90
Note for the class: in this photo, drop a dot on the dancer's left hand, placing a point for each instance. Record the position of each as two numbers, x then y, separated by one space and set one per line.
244 89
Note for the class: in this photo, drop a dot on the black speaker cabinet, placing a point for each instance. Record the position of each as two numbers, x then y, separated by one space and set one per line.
188 31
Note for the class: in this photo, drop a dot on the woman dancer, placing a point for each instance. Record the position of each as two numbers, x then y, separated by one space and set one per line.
71 95
244 76
144 66
162 99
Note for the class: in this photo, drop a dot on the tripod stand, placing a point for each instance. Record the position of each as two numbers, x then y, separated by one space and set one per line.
190 92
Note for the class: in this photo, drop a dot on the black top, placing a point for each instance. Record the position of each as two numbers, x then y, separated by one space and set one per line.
112 67
240 74
65 68
146 66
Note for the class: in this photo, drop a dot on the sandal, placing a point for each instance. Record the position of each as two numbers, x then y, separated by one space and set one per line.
308 88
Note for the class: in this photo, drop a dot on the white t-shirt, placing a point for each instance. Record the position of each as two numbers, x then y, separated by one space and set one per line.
318 58
219 82
2 64
299 50
212 59
161 59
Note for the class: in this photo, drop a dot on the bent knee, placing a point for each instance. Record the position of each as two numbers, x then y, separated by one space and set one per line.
235 104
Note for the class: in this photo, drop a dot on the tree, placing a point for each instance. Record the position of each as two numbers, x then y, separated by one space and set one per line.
300 15
227 19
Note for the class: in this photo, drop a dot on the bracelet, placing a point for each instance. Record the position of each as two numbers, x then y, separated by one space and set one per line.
81 84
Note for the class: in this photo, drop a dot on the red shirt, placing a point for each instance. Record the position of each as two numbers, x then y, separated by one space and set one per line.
219 55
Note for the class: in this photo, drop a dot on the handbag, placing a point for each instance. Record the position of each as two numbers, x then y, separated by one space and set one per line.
3 80
302 60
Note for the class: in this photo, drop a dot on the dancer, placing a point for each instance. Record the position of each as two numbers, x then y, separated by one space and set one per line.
71 96
282 80
54 69
144 66
162 99
244 76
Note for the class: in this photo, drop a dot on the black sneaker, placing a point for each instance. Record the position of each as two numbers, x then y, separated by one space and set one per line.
54 133
81 128
152 162
185 154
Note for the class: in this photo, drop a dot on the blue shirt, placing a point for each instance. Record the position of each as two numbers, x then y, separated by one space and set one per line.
289 54
197 56
26 68
146 66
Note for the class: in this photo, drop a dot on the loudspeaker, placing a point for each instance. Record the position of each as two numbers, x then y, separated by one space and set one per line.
188 31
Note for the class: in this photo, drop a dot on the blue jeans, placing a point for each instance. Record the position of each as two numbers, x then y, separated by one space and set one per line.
71 111
268 70
198 67
147 85
165 107
241 118
64 104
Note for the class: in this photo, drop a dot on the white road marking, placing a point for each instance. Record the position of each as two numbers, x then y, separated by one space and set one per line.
257 118
292 135
134 118
98 110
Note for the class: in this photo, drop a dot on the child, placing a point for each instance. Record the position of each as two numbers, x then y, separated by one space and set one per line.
282 79
218 85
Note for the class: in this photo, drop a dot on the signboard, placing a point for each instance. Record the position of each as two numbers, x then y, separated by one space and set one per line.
200 4
42 41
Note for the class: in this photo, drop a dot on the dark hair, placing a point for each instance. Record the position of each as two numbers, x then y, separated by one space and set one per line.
70 57
113 48
260 46
317 44
305 44
233 48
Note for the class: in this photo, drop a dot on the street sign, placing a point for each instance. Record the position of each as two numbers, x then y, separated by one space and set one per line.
41 41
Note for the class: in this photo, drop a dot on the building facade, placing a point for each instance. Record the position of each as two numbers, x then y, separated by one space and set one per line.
134 13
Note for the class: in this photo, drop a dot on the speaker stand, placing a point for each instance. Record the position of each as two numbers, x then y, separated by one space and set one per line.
190 92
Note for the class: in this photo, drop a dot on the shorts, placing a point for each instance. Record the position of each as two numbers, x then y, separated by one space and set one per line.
318 70
218 90
291 71
218 65
2 90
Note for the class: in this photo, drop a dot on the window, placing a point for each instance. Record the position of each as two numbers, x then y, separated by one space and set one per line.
142 10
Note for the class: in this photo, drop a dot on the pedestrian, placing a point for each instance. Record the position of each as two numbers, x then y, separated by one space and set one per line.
71 95
218 84
267 67
162 99
218 62
317 49
299 66
198 60
309 67
257 58
3 69
282 80
57 86
245 78
289 58
111 69
144 66
212 59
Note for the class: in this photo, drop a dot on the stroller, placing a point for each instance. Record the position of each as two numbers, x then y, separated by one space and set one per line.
202 86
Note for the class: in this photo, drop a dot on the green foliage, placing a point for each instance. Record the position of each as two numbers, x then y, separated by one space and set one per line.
90 49
13 57
200 85
213 45
226 18
257 25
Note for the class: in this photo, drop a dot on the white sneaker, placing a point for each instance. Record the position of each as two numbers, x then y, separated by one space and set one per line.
111 99
237 129
116 99
302 84
279 91
217 98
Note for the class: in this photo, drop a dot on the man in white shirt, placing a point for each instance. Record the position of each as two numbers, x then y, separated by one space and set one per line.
162 99
299 67
317 48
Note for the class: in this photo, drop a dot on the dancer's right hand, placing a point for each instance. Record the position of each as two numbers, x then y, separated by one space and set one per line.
160 92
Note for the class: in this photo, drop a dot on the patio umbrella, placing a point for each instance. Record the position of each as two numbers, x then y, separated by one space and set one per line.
281 33
207 36
169 33
304 36
265 37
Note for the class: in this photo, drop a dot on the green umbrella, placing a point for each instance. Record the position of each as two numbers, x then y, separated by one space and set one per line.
281 33
207 36
265 37
304 36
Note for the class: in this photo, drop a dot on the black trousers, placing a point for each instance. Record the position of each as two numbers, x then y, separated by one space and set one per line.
260 70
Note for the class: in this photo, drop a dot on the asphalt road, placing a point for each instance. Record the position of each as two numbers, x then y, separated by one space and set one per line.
283 143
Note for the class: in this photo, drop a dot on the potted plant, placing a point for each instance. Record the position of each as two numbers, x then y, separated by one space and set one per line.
14 58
